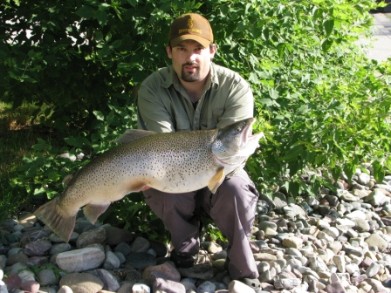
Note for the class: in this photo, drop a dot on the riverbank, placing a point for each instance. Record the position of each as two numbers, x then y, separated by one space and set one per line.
337 243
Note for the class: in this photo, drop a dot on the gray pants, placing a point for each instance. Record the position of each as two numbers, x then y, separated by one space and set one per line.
232 208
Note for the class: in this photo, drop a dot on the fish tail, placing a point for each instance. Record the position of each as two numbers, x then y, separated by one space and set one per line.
51 214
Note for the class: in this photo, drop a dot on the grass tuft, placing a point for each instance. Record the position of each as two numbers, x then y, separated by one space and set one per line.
17 136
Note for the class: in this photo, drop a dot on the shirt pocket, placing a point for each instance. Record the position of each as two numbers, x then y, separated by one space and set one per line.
211 118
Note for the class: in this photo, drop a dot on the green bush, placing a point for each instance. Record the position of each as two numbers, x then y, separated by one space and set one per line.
322 104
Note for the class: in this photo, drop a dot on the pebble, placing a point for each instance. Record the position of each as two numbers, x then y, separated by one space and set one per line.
82 259
81 283
112 261
140 244
140 288
110 282
239 287
166 285
335 243
3 287
364 179
95 236
47 277
207 287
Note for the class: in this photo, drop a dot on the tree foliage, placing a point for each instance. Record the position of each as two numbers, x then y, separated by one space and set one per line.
322 104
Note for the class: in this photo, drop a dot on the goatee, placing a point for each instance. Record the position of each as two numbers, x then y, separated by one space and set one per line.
190 76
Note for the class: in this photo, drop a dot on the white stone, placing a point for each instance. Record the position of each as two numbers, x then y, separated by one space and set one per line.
82 259
239 287
3 287
377 198
141 288
65 289
372 270
339 261
364 178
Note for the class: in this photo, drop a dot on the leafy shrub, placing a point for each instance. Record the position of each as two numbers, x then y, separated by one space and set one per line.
322 104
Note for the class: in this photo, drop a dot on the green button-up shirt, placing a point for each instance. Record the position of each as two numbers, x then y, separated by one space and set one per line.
165 106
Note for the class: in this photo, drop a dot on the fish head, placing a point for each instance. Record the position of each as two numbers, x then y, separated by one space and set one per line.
234 143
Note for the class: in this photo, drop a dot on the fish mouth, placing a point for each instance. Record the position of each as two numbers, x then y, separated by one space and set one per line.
247 131
247 134
236 143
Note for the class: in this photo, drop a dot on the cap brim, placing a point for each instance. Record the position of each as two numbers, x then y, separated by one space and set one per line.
204 42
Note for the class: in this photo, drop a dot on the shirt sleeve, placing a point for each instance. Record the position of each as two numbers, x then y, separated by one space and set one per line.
152 112
239 104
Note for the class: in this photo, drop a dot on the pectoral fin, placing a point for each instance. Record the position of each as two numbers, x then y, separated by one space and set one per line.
92 212
216 180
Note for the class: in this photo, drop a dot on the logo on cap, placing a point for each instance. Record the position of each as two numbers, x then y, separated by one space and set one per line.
190 28
190 23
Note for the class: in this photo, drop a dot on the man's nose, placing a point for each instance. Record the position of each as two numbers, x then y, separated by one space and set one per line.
191 57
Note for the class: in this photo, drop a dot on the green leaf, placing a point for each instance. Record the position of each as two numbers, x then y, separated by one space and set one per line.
328 26
77 141
99 115
387 164
295 152
86 11
326 45
294 188
350 169
378 171
42 145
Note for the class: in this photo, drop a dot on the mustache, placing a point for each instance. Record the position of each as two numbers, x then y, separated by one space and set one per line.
189 64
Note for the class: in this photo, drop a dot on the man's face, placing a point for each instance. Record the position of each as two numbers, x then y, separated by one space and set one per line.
191 61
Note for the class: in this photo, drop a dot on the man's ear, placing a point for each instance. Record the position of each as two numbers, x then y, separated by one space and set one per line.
212 50
169 51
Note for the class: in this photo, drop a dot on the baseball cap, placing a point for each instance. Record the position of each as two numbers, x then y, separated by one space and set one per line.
191 26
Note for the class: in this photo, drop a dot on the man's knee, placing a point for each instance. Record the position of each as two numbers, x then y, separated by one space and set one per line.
239 189
236 195
167 205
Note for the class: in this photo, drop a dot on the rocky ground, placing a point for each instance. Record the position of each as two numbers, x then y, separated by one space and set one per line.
337 243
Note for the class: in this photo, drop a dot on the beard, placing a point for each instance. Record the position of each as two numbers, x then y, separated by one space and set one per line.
190 76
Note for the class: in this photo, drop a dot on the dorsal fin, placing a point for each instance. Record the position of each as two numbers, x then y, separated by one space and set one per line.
131 135
67 179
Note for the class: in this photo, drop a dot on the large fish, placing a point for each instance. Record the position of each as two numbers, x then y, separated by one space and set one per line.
171 162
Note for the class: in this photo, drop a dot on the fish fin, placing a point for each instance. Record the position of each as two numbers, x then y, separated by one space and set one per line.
131 135
92 212
52 216
67 179
216 180
137 186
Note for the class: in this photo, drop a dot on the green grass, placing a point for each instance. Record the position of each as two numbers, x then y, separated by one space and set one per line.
17 135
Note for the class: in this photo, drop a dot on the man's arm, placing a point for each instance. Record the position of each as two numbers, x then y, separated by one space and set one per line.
152 113
239 105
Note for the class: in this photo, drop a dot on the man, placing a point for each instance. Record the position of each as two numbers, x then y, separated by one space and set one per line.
191 94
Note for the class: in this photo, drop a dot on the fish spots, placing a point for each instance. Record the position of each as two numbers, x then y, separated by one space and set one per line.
170 161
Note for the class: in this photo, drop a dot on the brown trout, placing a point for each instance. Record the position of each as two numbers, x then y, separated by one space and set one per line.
171 162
